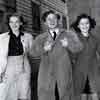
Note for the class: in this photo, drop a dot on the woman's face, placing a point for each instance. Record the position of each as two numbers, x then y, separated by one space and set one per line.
51 21
14 23
84 25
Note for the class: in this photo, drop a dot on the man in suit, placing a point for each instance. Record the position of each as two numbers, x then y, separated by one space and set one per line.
55 70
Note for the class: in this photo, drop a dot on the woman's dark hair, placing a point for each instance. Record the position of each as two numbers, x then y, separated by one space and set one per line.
45 15
19 16
75 24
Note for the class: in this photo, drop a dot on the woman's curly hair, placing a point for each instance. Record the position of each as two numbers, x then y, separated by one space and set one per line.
19 16
75 24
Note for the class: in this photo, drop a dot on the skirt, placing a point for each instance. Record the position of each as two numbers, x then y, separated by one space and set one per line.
16 84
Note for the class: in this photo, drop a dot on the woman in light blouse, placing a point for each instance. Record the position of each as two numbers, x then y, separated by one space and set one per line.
15 45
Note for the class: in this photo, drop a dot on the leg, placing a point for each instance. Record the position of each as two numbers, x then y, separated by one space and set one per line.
8 88
83 96
3 91
65 88
77 97
13 93
89 96
94 94
44 94
22 99
56 92
23 85
46 87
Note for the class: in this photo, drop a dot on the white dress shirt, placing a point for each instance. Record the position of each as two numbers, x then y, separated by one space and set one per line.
56 30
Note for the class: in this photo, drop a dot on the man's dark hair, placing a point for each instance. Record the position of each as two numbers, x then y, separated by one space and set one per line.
45 15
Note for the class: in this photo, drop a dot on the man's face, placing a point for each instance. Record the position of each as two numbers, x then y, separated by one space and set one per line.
84 25
51 21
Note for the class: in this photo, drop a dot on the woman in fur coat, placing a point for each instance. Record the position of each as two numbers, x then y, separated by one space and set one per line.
85 62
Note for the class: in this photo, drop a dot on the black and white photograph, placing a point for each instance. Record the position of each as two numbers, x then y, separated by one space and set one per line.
49 49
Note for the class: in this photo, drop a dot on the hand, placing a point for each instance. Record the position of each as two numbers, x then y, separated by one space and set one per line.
64 42
48 46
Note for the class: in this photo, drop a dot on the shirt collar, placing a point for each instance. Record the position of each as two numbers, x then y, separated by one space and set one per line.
56 30
11 33
85 35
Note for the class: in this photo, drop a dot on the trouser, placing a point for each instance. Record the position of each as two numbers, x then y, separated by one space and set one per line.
89 91
50 94
15 83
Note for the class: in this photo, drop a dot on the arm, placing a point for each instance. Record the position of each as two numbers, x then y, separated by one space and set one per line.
74 44
3 63
3 57
37 46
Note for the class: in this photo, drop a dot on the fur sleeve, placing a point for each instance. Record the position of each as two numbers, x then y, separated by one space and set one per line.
38 46
75 44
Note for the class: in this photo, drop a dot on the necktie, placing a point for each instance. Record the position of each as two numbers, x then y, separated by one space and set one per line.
54 37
